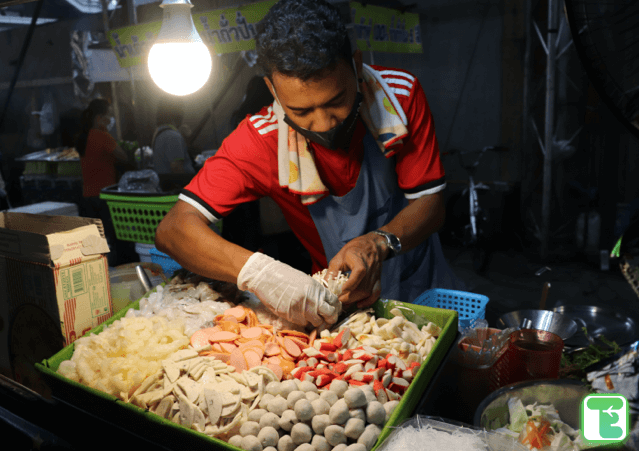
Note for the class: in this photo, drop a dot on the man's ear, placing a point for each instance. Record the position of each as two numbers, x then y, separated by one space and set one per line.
269 85
359 63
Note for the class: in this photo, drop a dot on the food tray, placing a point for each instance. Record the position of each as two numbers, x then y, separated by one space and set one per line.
136 216
173 435
469 306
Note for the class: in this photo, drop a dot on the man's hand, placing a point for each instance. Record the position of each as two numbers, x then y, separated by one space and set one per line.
287 292
363 257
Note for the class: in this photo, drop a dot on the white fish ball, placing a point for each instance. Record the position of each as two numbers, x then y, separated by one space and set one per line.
355 398
270 419
288 420
285 443
249 428
319 423
335 435
329 396
301 433
250 443
339 413
268 436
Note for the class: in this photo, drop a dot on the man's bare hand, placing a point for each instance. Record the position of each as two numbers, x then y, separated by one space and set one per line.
363 257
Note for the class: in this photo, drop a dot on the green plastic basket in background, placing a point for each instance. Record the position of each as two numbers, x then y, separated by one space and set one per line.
136 216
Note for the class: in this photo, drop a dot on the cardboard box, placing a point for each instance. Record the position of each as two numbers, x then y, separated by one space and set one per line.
54 287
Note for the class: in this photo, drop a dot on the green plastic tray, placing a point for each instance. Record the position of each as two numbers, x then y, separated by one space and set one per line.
113 409
136 218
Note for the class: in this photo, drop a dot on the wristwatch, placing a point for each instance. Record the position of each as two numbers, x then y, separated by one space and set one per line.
393 242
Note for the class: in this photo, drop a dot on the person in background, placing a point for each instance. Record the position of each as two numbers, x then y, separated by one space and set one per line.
170 151
99 153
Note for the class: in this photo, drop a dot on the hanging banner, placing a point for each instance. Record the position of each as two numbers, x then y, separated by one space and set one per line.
224 31
385 30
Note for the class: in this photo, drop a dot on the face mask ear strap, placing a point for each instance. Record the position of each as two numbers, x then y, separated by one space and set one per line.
359 79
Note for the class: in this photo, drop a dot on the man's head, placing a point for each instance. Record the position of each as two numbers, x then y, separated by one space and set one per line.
301 39
305 55
170 111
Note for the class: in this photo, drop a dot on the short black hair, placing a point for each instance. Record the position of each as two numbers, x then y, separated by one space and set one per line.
301 39
170 111
97 107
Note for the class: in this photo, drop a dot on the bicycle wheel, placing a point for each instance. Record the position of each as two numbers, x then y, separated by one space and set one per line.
481 257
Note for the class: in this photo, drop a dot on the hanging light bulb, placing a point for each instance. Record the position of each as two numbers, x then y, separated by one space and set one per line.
179 62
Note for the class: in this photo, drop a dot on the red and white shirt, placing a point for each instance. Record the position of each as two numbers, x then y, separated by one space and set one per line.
245 167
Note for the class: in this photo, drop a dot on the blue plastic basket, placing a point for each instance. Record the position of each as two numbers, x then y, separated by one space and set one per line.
469 306
169 266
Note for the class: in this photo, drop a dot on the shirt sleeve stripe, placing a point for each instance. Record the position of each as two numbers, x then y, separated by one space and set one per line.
398 81
195 201
270 114
398 91
265 130
261 122
385 73
425 192
426 186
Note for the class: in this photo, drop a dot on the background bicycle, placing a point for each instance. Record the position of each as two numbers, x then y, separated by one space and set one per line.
469 223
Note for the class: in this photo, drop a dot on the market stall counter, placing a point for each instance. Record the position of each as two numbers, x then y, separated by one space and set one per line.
165 407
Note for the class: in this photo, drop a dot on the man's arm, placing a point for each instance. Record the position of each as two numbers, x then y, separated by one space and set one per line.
363 256
184 234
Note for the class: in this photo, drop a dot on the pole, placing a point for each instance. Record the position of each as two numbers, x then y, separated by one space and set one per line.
523 166
553 16
114 93
23 53
133 19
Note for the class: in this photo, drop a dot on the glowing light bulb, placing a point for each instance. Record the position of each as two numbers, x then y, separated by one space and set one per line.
179 62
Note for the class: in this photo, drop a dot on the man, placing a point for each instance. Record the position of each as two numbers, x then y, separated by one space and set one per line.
349 154
170 152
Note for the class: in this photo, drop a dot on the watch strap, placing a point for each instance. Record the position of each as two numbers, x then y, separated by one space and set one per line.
393 242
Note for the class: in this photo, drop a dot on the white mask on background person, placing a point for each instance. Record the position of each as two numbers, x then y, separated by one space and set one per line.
111 125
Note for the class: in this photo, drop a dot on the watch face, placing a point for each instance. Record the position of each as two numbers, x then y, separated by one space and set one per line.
394 243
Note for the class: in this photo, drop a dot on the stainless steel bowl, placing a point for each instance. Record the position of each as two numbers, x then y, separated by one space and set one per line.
541 320
565 394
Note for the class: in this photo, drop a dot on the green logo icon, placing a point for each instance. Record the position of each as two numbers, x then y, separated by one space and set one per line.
605 418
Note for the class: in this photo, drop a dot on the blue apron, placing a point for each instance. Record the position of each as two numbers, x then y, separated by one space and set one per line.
374 201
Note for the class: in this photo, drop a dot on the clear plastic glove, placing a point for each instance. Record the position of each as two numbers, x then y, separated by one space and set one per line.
287 292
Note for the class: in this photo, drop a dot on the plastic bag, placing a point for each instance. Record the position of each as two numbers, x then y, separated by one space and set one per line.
143 157
145 181
480 345
620 376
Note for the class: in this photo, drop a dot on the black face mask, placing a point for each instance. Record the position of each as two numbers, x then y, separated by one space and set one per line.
338 137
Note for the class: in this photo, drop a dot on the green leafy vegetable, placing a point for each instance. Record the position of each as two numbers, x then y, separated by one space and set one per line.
573 366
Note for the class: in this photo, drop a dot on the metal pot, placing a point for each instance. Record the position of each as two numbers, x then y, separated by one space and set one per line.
541 320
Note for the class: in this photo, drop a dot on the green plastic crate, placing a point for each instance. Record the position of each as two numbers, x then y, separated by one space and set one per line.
69 168
113 409
136 217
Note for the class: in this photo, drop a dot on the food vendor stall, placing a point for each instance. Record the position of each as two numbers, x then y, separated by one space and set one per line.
201 363
197 361
185 364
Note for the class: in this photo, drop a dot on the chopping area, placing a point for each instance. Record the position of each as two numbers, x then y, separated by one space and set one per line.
319 225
